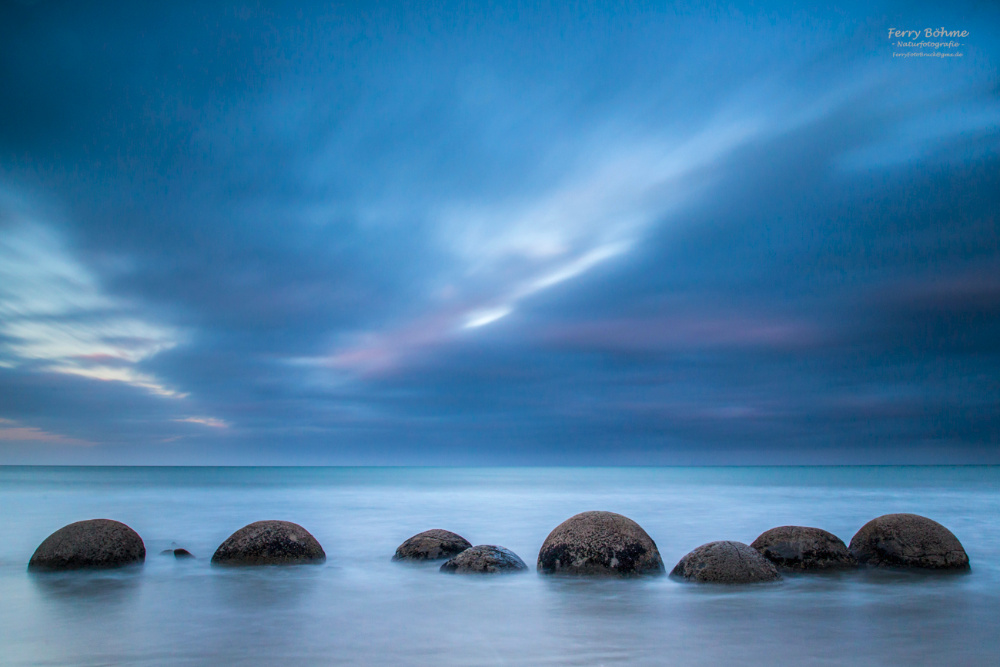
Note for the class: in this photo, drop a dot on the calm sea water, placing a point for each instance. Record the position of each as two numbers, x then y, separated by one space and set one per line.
361 609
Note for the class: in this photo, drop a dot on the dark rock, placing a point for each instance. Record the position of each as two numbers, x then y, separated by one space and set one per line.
97 543
599 543
177 553
432 545
802 548
908 540
485 559
269 543
725 563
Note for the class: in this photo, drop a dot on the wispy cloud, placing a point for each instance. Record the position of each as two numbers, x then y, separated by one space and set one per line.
211 422
506 252
11 431
685 332
54 316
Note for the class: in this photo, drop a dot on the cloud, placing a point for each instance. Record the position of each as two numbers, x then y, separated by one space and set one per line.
11 431
503 253
211 422
685 331
54 316
698 229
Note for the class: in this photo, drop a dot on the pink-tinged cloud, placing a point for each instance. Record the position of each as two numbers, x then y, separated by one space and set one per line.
10 431
384 352
683 332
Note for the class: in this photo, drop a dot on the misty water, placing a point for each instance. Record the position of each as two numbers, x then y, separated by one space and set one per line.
359 608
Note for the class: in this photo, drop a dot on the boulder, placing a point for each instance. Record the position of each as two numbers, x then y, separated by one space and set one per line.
908 540
485 559
599 543
177 553
96 543
802 548
725 563
432 545
269 543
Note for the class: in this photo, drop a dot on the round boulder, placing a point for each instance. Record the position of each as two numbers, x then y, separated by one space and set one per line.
96 543
599 543
908 540
485 559
725 563
802 548
269 543
432 545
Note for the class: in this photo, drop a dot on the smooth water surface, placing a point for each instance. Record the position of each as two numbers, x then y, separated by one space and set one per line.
359 608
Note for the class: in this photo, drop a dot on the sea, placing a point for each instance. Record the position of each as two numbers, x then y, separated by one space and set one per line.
360 608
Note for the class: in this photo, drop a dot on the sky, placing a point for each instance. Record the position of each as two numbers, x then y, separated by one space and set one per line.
499 233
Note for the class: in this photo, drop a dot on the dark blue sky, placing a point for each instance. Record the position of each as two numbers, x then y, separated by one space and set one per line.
471 233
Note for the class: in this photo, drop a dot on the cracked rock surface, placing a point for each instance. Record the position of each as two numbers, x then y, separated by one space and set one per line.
803 548
599 543
485 559
432 545
908 540
269 543
725 563
95 543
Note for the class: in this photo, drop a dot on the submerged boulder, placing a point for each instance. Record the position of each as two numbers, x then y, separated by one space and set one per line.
725 563
96 543
908 540
803 548
432 545
269 543
599 543
177 553
485 559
